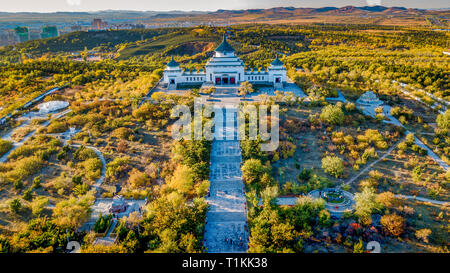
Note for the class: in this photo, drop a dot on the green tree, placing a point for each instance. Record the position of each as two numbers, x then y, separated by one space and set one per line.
358 247
245 88
332 114
324 218
305 213
5 146
15 205
5 246
333 165
270 234
366 204
38 205
252 171
74 211
443 120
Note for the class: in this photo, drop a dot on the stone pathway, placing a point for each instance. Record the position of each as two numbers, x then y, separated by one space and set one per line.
227 215
291 201
439 104
100 180
68 135
423 199
368 167
339 98
430 153
370 111
16 145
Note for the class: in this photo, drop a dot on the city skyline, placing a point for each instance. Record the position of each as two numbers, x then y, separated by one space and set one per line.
199 5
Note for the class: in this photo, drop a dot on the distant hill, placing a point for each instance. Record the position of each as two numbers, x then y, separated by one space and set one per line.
346 14
323 10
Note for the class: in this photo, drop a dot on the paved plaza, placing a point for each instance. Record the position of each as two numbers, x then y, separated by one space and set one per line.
226 223
102 205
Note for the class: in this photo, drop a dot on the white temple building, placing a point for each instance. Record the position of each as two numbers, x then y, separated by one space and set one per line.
225 68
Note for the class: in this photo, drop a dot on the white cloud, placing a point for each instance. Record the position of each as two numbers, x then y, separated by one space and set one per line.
373 2
73 2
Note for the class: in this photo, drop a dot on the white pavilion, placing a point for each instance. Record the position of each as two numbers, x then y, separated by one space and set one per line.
369 99
225 68
52 106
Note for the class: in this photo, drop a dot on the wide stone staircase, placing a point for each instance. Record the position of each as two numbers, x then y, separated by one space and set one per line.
227 217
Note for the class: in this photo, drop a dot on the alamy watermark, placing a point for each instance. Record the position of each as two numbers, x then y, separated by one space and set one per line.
229 123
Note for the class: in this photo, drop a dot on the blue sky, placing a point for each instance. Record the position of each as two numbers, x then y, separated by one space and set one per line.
94 5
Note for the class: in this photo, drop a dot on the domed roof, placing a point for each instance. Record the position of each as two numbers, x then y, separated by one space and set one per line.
277 62
173 63
369 98
52 106
224 46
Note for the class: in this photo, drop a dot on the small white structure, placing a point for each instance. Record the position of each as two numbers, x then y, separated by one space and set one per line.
52 106
225 68
369 99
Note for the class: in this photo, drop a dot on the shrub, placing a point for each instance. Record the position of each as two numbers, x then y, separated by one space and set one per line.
443 120
122 133
368 153
104 249
332 114
81 189
18 184
333 165
83 153
117 166
27 195
25 167
57 127
324 218
387 199
202 188
350 106
423 234
410 139
23 151
371 183
74 211
402 147
5 246
15 205
393 224
375 174
36 182
138 179
77 179
92 168
38 205
5 146
305 174
358 247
